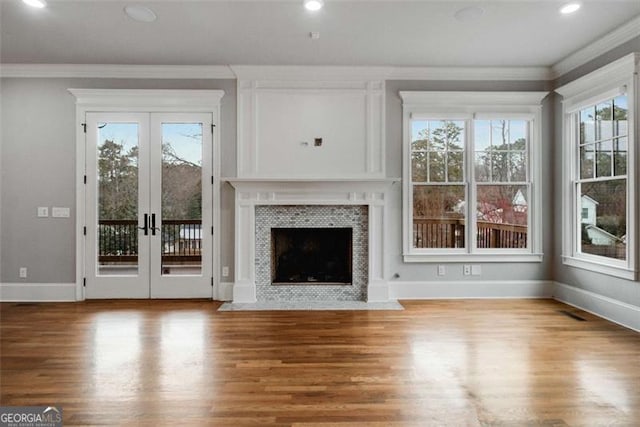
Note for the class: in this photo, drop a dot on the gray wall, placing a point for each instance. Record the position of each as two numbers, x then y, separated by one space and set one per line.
490 271
623 290
38 169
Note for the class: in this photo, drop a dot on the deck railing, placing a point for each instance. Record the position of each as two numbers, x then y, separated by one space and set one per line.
450 233
118 241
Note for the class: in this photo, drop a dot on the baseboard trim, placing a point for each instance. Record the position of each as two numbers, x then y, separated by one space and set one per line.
471 289
225 292
615 311
37 292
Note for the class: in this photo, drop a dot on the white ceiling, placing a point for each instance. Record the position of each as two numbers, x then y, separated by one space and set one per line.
270 32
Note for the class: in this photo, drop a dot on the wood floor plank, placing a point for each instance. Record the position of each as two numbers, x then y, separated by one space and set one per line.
458 363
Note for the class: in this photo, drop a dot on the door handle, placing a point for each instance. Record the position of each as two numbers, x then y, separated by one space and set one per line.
146 227
153 225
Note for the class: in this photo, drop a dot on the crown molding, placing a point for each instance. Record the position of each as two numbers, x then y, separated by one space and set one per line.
332 73
309 72
470 73
115 71
270 72
599 47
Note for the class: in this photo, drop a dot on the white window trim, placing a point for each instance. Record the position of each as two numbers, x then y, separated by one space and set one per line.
605 83
470 105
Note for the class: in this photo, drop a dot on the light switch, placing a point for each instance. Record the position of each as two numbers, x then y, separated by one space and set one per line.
58 212
43 211
476 270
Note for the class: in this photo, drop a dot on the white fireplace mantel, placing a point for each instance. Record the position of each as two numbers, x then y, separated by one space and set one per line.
252 191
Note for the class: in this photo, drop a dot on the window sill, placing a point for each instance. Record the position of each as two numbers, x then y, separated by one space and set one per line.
602 268
494 257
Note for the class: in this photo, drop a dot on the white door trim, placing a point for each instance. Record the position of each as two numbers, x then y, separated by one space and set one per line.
102 100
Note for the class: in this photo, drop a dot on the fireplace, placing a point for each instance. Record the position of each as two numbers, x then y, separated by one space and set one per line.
265 204
311 256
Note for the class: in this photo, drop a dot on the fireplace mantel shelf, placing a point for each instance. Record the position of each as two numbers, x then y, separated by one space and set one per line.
251 180
285 185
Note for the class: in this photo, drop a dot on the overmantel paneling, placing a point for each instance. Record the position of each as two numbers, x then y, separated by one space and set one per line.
279 120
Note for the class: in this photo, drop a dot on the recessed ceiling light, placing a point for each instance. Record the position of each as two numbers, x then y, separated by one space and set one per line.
570 8
35 3
140 13
313 5
470 13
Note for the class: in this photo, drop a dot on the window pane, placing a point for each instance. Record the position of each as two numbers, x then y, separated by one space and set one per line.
436 167
455 166
438 216
455 135
586 161
620 109
419 166
482 167
502 212
518 134
482 135
117 228
603 159
518 163
499 134
604 230
587 125
620 156
181 199
438 134
419 135
604 120
500 166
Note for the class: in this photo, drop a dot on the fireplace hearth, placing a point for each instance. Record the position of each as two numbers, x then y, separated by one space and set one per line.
311 256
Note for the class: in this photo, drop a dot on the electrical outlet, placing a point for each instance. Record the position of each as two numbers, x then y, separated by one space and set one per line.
476 270
23 272
43 211
225 271
466 269
442 270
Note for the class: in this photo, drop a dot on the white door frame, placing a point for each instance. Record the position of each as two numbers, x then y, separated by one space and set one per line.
143 100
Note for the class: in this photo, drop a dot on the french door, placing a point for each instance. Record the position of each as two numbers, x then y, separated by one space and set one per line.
148 205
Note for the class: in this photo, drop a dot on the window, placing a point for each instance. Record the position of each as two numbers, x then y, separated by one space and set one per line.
601 183
599 215
585 215
471 162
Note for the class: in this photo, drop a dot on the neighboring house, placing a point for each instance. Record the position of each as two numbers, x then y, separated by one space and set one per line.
519 202
600 237
589 207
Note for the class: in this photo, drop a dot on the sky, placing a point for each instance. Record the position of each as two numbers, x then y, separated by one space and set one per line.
179 135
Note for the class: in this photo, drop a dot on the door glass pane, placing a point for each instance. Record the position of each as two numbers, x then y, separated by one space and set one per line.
117 236
181 198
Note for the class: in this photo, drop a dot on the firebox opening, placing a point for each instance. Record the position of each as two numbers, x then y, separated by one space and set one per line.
311 256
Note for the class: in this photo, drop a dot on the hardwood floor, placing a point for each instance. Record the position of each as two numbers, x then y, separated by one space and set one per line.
440 363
